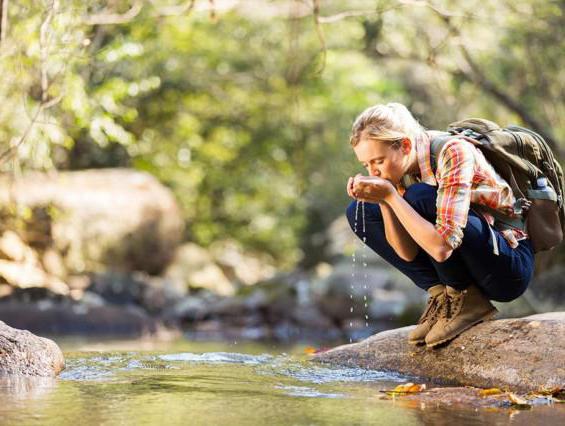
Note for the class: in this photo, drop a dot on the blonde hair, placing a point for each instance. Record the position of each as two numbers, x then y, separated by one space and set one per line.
387 123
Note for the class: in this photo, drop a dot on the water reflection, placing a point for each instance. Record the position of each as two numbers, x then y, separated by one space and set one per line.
226 387
13 388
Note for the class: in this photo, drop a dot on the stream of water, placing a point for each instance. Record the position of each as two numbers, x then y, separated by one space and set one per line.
197 383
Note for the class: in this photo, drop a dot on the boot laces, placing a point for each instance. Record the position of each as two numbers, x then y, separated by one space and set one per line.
452 305
432 309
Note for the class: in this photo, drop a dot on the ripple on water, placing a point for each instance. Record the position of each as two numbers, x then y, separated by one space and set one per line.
303 391
320 375
105 368
219 358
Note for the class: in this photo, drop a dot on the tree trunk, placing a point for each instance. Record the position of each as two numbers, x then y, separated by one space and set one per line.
3 19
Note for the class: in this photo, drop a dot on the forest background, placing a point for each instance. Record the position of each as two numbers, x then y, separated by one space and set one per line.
243 108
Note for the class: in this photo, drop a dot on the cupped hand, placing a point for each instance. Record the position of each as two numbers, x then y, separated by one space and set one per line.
372 189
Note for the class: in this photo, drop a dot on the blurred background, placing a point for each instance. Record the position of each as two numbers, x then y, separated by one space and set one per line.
175 167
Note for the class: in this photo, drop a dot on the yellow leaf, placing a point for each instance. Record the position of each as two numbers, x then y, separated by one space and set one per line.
310 350
515 399
409 388
491 391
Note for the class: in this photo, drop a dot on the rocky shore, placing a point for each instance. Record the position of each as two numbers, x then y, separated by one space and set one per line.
525 354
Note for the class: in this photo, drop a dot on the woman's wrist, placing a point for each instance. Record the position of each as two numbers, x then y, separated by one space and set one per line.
390 199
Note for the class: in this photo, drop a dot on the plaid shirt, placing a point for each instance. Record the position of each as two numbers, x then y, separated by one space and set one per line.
464 176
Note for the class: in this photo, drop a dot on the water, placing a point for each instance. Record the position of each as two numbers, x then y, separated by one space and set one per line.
365 278
213 384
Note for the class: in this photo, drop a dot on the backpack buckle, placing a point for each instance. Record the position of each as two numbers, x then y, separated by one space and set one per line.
521 206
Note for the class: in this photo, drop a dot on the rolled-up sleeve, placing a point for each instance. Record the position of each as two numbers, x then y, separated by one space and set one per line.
454 174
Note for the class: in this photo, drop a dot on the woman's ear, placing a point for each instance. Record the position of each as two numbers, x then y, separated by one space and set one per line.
406 146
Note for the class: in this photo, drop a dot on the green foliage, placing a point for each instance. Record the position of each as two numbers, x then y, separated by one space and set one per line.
244 117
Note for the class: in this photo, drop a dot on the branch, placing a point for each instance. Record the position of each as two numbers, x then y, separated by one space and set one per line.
471 73
3 20
319 32
45 39
477 76
107 17
175 10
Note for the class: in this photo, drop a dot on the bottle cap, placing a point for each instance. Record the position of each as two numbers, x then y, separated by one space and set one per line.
541 182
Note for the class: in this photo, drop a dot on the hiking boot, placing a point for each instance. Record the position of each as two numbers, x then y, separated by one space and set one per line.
460 311
429 317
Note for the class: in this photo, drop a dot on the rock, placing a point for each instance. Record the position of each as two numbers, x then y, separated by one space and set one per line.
387 293
188 309
13 248
520 354
53 263
26 275
5 290
154 294
55 315
22 353
237 265
98 219
195 267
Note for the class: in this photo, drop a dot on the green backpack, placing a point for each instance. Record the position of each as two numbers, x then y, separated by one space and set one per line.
522 158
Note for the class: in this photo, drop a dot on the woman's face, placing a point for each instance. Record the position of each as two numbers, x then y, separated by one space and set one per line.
383 159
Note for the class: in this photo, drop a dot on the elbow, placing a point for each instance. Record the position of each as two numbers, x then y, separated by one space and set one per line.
442 253
408 256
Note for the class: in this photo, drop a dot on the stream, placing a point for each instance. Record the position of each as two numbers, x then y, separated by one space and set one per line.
200 383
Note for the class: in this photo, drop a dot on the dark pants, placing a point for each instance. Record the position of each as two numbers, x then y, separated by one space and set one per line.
502 277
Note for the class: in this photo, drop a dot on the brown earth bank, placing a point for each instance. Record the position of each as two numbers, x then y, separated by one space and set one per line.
522 355
25 354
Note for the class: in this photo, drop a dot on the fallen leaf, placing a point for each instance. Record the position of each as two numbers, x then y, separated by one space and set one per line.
515 399
408 388
491 391
310 350
518 401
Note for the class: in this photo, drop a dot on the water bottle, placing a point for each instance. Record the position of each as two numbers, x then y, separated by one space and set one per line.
543 191
542 223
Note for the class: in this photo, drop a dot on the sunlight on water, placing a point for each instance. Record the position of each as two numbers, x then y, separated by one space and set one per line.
220 387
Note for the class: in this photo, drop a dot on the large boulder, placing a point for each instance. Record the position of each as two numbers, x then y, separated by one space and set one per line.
95 219
521 354
23 353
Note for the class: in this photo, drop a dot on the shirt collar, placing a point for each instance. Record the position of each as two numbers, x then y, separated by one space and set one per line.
424 159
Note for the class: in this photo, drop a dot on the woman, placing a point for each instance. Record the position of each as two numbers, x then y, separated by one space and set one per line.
437 231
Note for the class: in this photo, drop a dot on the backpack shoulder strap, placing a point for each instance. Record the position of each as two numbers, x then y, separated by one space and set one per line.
436 145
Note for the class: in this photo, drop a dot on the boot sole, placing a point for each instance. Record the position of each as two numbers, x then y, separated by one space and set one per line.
417 342
485 317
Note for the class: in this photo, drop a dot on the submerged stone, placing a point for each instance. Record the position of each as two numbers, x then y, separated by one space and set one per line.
522 354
